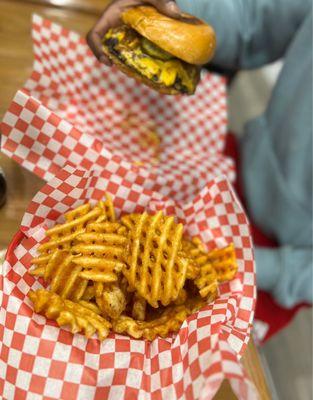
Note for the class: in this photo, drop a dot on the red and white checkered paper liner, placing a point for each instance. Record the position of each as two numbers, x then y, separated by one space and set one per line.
40 360
73 109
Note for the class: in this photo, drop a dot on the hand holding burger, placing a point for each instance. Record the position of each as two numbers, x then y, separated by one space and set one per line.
111 18
153 42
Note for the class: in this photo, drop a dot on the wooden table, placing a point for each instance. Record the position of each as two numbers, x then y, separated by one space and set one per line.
15 66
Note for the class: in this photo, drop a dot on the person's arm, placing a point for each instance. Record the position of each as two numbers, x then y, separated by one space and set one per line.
250 33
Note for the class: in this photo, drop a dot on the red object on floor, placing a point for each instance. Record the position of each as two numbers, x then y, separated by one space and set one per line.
267 310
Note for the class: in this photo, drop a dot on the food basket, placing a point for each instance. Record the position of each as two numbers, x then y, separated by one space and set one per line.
40 360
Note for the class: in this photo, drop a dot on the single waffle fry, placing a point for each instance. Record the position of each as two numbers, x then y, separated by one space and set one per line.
110 299
224 262
154 267
66 312
62 235
218 264
139 308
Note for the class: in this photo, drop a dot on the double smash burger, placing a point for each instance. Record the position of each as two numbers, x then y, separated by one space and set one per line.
163 53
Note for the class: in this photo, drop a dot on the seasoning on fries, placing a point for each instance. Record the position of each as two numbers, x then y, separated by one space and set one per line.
137 275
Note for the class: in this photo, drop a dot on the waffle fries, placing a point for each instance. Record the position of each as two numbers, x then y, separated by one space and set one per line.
62 236
169 321
201 269
224 263
154 268
65 312
100 254
137 276
110 299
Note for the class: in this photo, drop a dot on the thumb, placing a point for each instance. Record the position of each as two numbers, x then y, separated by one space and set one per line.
172 8
168 7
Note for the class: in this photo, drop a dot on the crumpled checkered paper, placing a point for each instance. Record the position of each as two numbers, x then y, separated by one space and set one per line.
73 109
40 360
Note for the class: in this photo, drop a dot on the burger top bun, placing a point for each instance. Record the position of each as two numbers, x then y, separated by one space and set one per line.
187 38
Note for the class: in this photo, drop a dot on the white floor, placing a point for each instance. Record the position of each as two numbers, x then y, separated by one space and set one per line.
288 356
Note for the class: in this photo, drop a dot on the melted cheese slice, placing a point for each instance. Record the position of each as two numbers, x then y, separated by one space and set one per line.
161 71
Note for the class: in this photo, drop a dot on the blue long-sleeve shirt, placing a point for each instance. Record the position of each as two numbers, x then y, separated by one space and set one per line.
276 149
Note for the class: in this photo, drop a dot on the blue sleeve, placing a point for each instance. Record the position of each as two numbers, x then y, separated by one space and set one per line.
250 33
286 272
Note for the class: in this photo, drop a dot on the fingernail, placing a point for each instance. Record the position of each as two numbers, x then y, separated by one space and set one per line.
173 7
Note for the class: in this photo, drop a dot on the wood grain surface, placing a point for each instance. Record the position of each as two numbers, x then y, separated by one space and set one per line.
15 66
87 6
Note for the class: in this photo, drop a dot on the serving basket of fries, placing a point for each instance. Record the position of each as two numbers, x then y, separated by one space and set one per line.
39 359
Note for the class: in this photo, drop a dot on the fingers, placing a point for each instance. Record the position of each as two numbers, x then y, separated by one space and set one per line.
167 7
171 9
94 41
111 18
